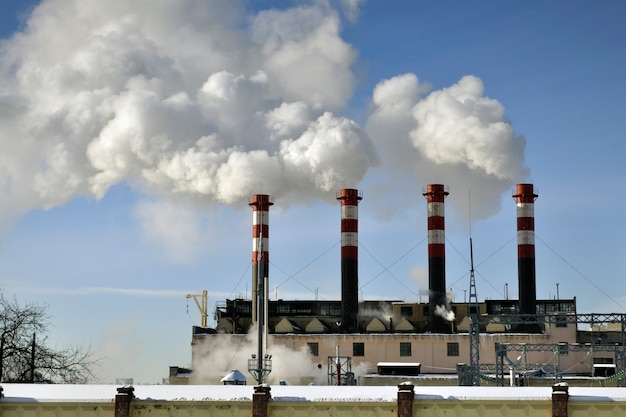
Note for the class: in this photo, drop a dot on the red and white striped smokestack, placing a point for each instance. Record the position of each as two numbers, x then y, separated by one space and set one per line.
435 195
525 197
349 199
260 204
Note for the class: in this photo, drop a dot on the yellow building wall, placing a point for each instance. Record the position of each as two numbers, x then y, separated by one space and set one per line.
191 409
421 408
56 409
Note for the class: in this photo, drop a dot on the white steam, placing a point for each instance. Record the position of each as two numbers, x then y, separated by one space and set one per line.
222 353
176 98
444 312
455 136
199 101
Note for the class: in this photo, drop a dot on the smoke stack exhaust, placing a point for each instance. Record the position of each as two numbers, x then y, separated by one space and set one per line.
260 204
435 195
349 199
525 197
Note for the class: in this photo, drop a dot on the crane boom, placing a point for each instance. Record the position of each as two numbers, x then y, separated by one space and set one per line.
202 305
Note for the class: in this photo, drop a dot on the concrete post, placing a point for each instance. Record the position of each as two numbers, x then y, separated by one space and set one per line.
406 395
123 399
260 400
560 397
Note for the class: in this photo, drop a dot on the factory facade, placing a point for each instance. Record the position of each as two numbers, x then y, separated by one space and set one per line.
543 336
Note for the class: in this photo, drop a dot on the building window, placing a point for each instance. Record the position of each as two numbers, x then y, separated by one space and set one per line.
563 348
244 309
282 308
358 349
561 321
405 349
406 311
453 349
314 348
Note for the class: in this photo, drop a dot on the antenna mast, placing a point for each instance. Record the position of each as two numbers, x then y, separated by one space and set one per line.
474 330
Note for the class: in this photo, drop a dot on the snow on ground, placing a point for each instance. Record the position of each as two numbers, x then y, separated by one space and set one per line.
106 393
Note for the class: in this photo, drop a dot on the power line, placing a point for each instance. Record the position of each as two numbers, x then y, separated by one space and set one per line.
580 273
386 268
291 276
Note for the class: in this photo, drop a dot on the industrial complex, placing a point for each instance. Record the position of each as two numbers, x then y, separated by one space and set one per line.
378 342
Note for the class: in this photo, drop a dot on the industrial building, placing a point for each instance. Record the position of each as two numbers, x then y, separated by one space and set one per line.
470 341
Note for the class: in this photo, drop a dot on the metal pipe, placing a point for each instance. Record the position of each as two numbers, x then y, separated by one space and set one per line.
260 204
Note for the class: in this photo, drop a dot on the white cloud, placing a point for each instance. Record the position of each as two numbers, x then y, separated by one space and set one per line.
455 136
200 101
459 126
186 97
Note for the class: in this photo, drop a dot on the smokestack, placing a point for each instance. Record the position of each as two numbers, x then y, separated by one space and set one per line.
260 204
435 195
349 199
525 197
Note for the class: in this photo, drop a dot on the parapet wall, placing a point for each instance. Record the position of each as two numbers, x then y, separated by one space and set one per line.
404 400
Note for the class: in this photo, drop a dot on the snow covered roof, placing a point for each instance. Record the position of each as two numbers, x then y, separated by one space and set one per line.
106 393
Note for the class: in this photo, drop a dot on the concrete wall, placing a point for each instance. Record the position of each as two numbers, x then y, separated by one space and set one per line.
16 408
303 401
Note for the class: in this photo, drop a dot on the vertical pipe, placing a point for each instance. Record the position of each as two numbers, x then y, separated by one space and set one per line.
349 199
435 195
525 197
260 204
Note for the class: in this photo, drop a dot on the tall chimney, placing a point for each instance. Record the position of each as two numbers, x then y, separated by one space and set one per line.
435 195
349 199
260 204
525 197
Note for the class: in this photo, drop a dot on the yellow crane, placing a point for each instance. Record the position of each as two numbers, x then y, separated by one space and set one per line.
202 305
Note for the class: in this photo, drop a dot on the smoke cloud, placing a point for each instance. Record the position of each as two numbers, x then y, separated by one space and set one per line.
444 312
223 353
204 102
455 136
189 98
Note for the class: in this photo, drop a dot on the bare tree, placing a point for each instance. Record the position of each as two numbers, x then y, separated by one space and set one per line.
24 354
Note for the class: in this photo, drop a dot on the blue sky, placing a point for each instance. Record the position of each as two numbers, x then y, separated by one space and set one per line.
131 140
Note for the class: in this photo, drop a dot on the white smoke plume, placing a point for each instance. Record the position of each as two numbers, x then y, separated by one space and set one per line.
189 98
222 353
204 102
455 136
444 312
